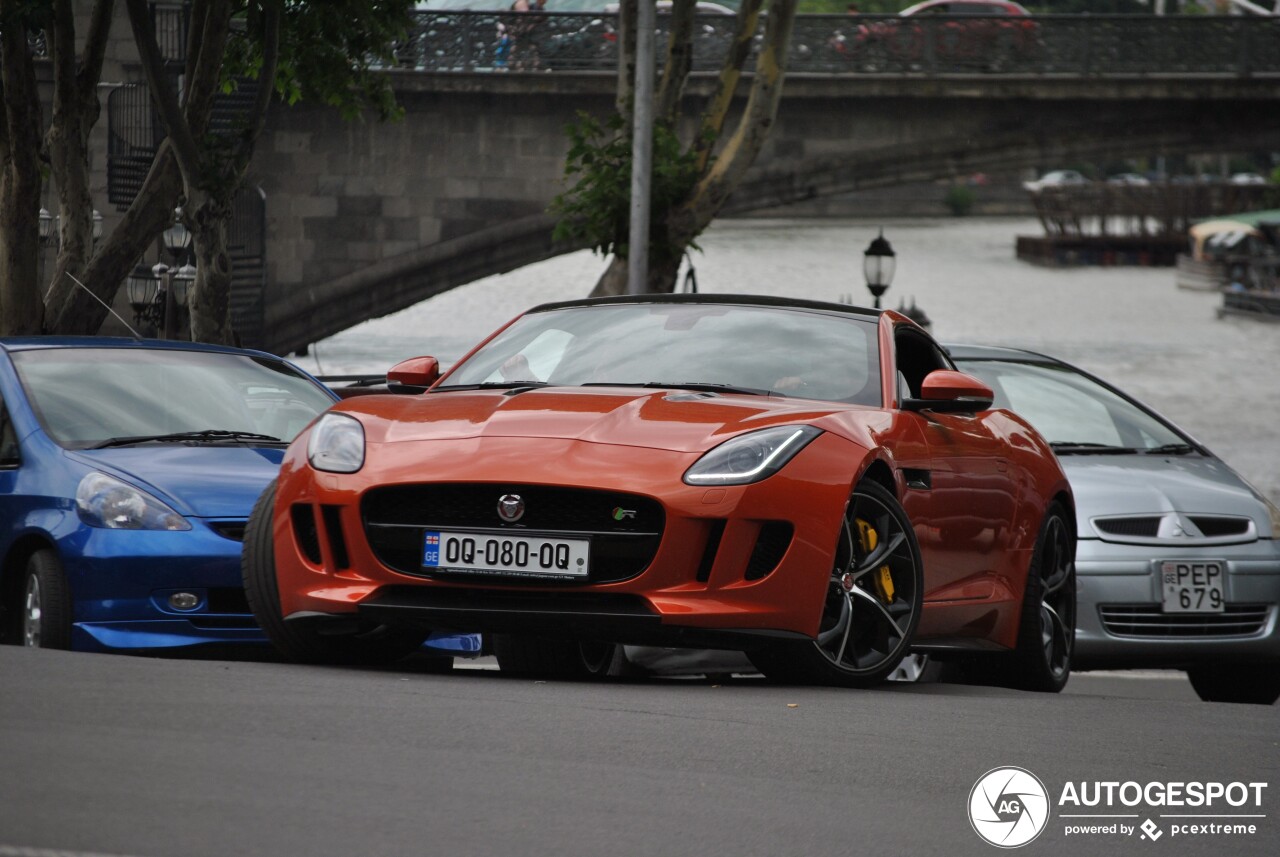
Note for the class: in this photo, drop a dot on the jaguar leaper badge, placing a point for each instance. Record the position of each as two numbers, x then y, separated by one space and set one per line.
510 507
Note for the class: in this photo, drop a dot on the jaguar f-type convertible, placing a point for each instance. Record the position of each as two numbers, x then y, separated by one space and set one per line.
813 484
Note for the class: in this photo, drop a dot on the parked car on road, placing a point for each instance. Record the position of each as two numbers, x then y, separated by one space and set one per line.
127 471
1178 558
1131 179
987 34
811 483
1055 179
1248 179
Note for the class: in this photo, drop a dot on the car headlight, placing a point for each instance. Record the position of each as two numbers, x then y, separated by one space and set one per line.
336 444
750 457
1274 512
104 501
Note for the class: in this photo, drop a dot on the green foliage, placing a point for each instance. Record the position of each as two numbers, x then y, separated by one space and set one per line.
327 52
959 199
597 207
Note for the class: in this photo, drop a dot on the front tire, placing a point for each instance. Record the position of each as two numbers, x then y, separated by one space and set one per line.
872 605
1256 684
553 658
1046 632
45 621
305 642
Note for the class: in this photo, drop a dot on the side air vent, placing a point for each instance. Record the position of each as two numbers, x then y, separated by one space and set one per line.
775 538
304 531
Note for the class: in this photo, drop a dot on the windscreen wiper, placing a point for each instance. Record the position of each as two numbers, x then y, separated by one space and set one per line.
492 385
1172 449
1063 447
181 436
699 386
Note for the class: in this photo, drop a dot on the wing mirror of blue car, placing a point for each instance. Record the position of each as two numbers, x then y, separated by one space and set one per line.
414 374
952 392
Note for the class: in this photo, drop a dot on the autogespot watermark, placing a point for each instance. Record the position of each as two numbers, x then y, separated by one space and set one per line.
1009 807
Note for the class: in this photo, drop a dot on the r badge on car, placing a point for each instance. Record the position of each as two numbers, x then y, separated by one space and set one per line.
510 507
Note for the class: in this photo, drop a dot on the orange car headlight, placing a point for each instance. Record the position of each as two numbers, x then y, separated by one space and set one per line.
750 457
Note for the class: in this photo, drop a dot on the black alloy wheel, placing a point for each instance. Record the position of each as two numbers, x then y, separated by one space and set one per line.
872 603
1046 635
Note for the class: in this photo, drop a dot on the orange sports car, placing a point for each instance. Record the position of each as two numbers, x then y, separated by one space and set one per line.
813 484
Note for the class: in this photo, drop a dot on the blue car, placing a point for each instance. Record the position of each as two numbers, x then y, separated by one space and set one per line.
128 469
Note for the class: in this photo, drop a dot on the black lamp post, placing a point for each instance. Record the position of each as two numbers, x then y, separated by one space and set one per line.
878 263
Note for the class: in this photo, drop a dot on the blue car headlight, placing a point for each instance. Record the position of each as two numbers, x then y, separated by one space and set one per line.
750 457
104 501
336 444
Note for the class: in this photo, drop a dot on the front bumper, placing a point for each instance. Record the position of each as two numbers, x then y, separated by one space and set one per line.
1120 623
121 582
703 586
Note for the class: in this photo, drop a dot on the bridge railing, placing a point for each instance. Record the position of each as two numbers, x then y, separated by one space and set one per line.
1070 45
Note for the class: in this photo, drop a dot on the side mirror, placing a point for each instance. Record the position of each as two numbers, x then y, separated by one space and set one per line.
953 392
415 372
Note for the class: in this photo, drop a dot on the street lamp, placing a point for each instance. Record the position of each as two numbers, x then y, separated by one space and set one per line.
177 238
142 286
878 263
46 227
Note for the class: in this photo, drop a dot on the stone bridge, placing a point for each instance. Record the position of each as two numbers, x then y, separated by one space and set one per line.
363 219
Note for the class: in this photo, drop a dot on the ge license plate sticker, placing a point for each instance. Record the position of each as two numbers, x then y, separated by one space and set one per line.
506 554
1193 587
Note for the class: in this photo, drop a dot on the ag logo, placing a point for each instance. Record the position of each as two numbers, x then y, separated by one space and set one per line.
1008 807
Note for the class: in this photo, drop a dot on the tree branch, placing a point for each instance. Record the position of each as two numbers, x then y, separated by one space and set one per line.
753 127
717 111
675 71
166 101
257 118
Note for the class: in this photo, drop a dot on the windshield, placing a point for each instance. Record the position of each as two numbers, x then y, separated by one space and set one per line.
764 350
1071 411
86 396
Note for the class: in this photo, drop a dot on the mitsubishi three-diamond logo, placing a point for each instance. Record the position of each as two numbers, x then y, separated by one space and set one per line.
1008 807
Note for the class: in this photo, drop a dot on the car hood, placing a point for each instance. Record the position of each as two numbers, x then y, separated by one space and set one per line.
199 481
675 420
1155 484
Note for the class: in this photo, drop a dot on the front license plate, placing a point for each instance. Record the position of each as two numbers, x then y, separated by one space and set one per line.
505 554
1193 587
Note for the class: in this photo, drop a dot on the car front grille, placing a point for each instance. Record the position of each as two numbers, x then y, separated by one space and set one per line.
1175 528
624 529
1147 527
1146 620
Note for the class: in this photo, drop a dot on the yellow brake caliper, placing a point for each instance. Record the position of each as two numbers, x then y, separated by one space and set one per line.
882 579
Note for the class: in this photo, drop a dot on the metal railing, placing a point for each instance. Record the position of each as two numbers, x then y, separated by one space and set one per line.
1071 45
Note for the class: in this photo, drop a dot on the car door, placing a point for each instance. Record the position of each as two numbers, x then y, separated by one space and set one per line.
963 511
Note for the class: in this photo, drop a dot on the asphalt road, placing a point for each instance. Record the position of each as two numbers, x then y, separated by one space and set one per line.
121 755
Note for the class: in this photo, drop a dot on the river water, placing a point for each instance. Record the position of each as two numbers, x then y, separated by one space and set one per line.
1219 379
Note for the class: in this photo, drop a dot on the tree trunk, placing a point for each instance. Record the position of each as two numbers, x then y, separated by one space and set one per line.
75 312
76 108
684 221
21 311
210 302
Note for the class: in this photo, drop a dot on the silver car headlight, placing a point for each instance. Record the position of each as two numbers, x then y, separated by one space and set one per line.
104 501
1274 512
750 457
336 444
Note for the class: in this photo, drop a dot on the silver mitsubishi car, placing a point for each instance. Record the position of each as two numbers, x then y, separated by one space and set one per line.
1178 558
